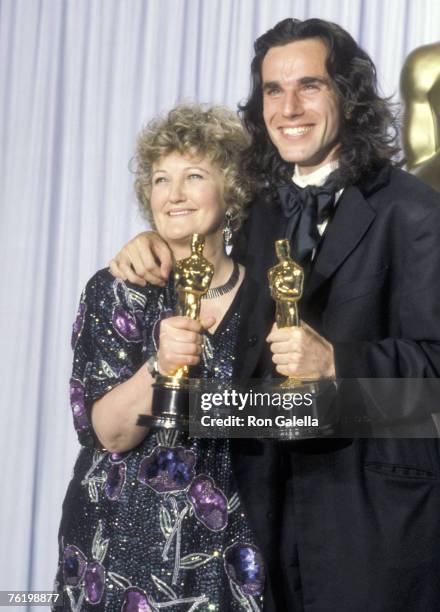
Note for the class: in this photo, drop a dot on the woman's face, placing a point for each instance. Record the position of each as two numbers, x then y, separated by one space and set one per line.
187 198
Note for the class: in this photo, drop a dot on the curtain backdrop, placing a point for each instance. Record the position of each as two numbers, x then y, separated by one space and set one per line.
78 78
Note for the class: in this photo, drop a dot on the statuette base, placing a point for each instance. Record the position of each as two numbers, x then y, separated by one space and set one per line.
319 418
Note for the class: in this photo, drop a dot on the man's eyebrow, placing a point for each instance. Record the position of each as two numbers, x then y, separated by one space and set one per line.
309 80
306 80
270 85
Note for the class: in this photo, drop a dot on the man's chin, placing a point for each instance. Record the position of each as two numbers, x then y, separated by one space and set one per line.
304 163
294 154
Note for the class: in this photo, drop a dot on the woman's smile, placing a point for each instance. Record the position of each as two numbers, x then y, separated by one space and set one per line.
180 212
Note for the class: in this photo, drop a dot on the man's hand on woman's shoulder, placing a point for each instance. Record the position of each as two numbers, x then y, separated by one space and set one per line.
146 258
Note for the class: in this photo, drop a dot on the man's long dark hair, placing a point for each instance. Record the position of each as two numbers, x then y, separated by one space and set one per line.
368 131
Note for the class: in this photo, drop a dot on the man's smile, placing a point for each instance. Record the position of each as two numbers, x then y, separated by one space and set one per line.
296 131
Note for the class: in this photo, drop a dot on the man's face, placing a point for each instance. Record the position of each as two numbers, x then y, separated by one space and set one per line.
300 105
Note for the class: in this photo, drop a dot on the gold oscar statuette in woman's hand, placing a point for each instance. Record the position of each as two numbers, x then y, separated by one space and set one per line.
192 278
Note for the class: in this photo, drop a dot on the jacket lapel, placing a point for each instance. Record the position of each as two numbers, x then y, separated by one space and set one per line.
351 220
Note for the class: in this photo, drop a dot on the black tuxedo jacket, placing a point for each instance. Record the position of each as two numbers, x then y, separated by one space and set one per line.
352 525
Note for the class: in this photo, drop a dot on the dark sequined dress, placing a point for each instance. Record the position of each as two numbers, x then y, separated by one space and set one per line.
160 527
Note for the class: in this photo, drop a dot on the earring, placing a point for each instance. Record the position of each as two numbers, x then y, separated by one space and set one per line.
227 232
349 112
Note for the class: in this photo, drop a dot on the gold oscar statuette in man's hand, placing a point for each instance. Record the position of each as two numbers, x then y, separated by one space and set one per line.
286 282
192 278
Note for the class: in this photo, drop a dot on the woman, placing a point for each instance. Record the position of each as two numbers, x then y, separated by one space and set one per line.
154 521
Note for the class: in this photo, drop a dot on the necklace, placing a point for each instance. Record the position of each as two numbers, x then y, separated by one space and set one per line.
226 288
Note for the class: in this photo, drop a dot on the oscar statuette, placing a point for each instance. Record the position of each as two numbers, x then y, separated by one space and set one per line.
170 403
286 281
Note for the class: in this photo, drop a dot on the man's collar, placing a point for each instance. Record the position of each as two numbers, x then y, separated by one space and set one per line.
317 177
375 179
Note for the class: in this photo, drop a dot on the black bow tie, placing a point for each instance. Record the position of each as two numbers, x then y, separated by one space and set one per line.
305 209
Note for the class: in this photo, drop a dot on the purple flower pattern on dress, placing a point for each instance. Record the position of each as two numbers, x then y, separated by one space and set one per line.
77 403
115 480
167 469
135 600
78 324
74 565
127 324
244 566
94 582
209 503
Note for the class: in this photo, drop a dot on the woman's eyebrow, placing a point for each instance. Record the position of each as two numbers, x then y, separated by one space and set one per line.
197 168
185 169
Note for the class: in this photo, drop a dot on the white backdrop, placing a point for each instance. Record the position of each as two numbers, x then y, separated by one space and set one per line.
78 78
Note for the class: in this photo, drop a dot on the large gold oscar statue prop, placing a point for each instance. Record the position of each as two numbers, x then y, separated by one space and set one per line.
420 91
170 404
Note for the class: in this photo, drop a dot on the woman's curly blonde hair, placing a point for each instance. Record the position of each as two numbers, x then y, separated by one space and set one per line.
214 133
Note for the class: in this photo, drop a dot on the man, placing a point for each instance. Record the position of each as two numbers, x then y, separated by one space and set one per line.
345 525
